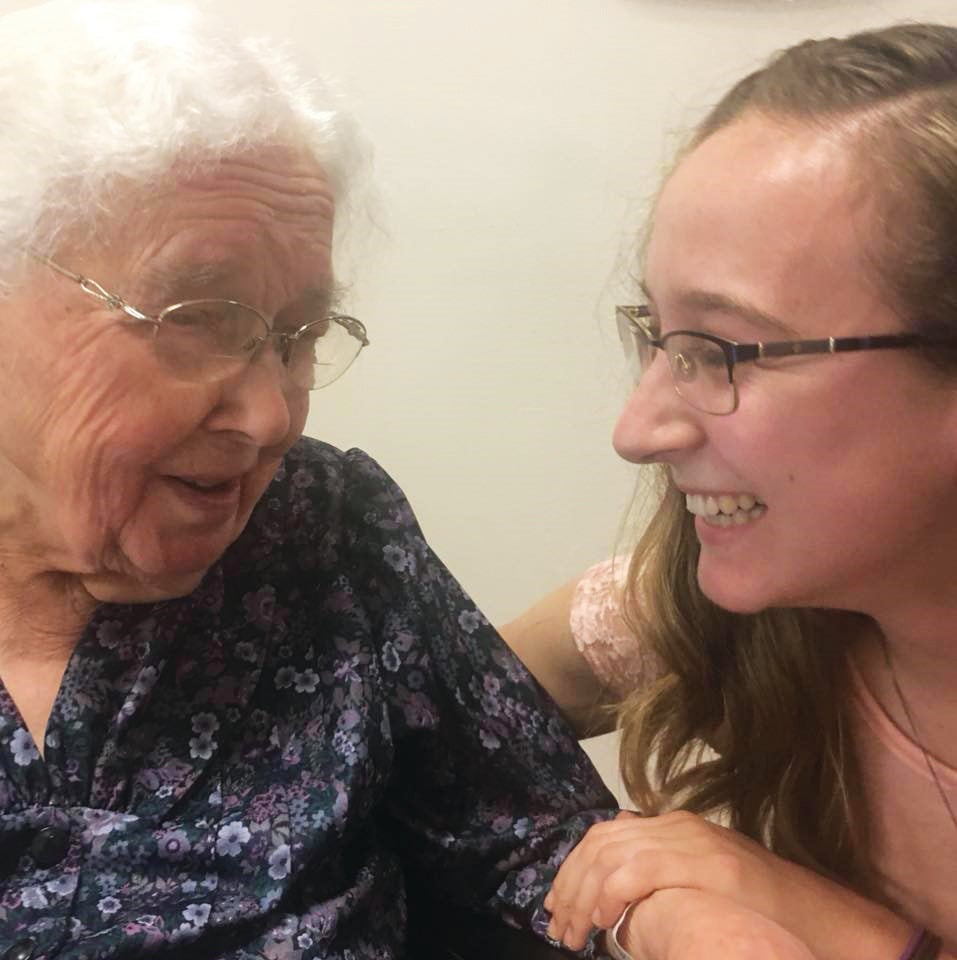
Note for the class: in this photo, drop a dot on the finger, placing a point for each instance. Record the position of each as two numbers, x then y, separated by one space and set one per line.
580 897
596 901
564 889
578 914
574 894
640 876
566 894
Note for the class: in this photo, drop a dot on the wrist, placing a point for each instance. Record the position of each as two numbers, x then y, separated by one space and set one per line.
848 926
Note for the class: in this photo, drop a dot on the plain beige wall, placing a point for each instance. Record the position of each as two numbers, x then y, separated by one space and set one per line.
517 143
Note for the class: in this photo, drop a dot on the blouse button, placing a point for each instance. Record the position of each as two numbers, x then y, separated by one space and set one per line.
21 950
50 846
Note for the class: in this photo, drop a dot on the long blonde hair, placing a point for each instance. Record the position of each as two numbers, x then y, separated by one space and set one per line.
769 690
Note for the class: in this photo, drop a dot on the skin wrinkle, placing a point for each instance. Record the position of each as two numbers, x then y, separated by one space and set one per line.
28 634
87 522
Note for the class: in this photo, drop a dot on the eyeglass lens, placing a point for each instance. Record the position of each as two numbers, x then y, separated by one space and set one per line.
208 340
699 368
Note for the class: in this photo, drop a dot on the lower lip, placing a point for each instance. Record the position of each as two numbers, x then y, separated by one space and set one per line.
214 499
712 534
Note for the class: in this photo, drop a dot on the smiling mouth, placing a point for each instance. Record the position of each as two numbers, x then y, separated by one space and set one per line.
727 509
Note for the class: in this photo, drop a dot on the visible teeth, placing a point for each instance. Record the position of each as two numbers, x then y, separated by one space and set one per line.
726 509
728 504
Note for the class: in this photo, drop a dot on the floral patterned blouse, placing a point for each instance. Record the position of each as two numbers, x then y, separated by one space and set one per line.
257 769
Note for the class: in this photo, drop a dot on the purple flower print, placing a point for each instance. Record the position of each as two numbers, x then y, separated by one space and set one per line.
172 845
280 862
197 914
23 748
108 906
231 839
205 723
470 620
261 605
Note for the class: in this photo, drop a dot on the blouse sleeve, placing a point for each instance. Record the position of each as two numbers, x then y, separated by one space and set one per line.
610 647
488 789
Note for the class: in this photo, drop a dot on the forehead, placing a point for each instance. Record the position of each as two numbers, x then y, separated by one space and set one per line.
257 220
766 212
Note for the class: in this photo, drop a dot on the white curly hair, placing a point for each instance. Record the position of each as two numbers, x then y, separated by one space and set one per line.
100 93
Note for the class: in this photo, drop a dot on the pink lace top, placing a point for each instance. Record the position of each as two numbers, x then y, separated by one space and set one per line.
915 840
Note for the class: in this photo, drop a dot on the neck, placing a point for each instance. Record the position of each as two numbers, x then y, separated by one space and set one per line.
924 664
42 614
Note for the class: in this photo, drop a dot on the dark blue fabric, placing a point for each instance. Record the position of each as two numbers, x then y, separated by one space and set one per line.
258 769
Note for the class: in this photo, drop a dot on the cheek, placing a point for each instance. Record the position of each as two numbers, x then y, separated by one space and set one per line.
298 412
101 450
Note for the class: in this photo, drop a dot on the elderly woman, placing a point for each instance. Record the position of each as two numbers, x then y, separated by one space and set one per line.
242 704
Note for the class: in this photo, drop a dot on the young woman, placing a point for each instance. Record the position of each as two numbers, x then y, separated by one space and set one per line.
791 608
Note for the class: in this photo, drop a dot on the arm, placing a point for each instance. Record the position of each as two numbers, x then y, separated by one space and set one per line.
691 925
577 644
488 789
634 857
543 640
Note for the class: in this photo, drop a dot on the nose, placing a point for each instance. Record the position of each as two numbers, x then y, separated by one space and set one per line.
656 424
258 401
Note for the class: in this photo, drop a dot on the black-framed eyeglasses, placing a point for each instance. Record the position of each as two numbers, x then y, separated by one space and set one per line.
702 364
208 340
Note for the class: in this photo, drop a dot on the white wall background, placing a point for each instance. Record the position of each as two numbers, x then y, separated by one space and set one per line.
517 142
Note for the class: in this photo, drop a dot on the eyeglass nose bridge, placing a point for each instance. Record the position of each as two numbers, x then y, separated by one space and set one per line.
283 342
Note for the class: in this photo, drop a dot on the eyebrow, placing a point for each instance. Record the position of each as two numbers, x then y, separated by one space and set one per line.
168 280
710 301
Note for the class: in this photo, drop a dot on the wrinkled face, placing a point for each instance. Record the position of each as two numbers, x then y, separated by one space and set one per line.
111 466
838 473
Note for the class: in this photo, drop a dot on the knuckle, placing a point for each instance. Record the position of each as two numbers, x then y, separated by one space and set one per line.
609 856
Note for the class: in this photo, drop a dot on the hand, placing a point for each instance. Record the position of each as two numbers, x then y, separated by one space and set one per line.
691 925
633 857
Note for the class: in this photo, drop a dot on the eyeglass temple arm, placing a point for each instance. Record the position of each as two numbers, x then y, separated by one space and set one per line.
93 289
792 348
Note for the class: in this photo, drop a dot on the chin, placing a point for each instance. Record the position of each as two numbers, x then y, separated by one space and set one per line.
734 594
162 569
116 588
737 593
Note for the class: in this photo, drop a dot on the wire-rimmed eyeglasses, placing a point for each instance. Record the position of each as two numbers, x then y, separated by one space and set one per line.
702 364
208 340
